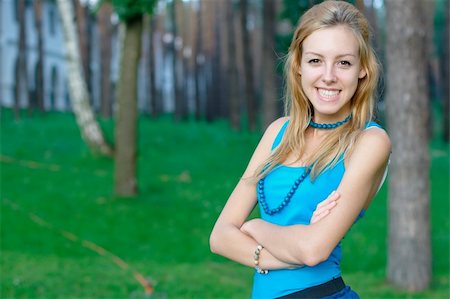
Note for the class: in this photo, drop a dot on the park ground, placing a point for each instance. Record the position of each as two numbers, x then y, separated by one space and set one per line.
65 235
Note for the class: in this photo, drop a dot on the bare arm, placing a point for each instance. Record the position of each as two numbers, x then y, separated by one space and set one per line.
311 244
227 239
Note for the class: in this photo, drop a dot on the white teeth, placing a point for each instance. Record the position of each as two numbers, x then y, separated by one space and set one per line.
328 93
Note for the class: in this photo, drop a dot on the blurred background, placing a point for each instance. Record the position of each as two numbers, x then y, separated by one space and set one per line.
125 125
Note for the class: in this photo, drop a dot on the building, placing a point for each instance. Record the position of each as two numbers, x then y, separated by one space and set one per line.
55 88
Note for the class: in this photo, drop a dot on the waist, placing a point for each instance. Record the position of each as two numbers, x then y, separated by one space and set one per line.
325 289
282 282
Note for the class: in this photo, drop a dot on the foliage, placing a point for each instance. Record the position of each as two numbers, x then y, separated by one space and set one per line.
186 172
128 10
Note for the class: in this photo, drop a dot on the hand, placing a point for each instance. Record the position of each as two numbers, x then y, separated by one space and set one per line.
324 207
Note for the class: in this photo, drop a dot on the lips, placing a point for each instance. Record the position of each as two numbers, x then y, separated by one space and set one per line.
328 94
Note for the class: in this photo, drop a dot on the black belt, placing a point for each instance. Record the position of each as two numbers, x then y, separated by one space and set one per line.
328 288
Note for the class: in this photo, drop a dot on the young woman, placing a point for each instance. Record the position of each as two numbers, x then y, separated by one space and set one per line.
328 142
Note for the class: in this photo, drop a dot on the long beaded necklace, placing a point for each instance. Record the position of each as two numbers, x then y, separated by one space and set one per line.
287 199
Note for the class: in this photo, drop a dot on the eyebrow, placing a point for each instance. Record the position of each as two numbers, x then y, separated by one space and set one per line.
339 56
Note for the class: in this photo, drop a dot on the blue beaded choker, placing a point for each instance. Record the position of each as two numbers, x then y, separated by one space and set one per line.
329 126
287 199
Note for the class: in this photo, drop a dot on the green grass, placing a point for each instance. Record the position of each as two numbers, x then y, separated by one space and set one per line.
186 172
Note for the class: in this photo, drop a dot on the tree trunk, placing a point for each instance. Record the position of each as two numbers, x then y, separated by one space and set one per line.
222 24
177 67
22 78
126 141
154 95
428 12
208 50
198 62
250 96
233 80
39 100
270 94
445 74
90 130
105 31
409 255
83 26
217 70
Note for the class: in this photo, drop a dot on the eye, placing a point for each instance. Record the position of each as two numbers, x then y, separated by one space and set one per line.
314 61
345 63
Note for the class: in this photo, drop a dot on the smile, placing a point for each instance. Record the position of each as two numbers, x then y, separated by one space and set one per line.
326 93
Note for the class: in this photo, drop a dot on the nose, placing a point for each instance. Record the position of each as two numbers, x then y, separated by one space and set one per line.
329 75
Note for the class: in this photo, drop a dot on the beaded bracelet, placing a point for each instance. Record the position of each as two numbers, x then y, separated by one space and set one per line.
256 260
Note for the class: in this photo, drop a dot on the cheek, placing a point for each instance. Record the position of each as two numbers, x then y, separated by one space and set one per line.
350 79
309 75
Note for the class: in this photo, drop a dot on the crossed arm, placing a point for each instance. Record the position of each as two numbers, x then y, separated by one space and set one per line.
290 246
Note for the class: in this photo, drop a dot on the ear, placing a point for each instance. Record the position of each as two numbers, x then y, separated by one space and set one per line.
362 73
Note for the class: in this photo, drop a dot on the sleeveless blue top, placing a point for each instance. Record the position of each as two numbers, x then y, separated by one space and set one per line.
299 211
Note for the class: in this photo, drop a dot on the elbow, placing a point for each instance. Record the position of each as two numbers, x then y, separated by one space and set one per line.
313 254
214 241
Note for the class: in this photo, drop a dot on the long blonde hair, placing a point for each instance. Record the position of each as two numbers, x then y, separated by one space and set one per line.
299 109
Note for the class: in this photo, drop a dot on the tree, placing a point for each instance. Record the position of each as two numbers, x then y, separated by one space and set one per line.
155 105
106 30
445 72
130 13
83 20
79 96
177 45
234 103
270 94
250 96
21 66
409 255
198 62
39 94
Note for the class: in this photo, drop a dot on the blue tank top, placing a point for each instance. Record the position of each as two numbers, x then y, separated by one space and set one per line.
299 211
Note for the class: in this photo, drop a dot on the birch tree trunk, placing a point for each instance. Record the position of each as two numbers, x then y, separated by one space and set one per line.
409 249
126 135
79 96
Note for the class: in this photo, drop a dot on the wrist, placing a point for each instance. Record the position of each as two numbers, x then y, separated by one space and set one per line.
256 260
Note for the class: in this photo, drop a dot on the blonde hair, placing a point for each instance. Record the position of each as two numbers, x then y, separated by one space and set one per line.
299 109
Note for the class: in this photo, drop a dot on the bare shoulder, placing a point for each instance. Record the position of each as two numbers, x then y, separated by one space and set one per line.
273 129
376 137
277 124
372 146
263 150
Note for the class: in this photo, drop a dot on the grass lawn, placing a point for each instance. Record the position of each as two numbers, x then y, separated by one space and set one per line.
65 235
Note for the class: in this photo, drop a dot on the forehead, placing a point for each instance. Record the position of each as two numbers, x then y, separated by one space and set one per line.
332 41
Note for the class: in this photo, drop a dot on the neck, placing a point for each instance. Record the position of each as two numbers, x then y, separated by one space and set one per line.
329 126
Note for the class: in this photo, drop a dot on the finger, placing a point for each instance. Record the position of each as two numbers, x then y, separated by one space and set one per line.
320 216
332 197
327 206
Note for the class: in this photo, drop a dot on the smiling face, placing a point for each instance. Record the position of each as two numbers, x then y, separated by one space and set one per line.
330 69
